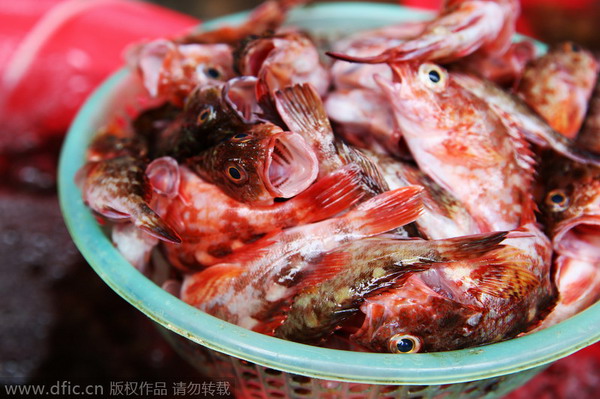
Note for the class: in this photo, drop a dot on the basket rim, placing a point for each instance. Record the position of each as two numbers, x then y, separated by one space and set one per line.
464 365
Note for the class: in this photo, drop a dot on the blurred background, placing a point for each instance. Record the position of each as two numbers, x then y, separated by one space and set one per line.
58 320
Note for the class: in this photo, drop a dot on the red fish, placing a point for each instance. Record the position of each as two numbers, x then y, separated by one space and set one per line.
212 225
459 141
559 84
260 164
570 209
281 60
463 304
114 185
171 71
578 285
344 277
461 28
249 288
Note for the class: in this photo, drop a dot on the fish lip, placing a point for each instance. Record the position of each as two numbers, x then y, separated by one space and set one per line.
239 84
570 237
298 173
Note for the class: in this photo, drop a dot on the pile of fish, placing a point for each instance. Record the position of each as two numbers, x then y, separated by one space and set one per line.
424 187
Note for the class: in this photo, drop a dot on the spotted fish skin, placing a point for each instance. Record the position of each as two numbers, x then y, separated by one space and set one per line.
335 291
118 189
251 288
464 304
559 84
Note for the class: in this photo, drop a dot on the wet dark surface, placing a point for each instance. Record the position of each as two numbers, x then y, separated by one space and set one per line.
60 322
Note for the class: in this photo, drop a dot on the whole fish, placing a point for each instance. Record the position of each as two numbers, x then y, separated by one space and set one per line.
571 207
250 288
589 136
558 86
344 277
212 225
282 59
459 141
461 28
171 71
520 117
463 304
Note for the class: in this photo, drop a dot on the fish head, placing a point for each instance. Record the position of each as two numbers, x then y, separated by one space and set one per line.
571 210
172 70
414 319
260 164
423 96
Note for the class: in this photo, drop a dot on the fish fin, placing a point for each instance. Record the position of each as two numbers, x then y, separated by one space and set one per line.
324 268
253 250
504 274
201 287
386 211
376 59
471 246
330 195
149 221
302 110
372 176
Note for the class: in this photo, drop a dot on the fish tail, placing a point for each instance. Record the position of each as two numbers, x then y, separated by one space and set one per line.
149 221
302 110
471 246
386 211
330 195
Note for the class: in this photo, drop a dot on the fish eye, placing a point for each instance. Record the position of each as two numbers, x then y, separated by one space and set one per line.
433 76
557 200
403 343
575 47
242 137
236 173
204 115
213 73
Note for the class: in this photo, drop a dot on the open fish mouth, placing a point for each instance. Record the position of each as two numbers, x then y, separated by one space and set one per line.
291 165
579 238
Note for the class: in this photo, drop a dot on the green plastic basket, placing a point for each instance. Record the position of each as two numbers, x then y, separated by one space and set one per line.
262 366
